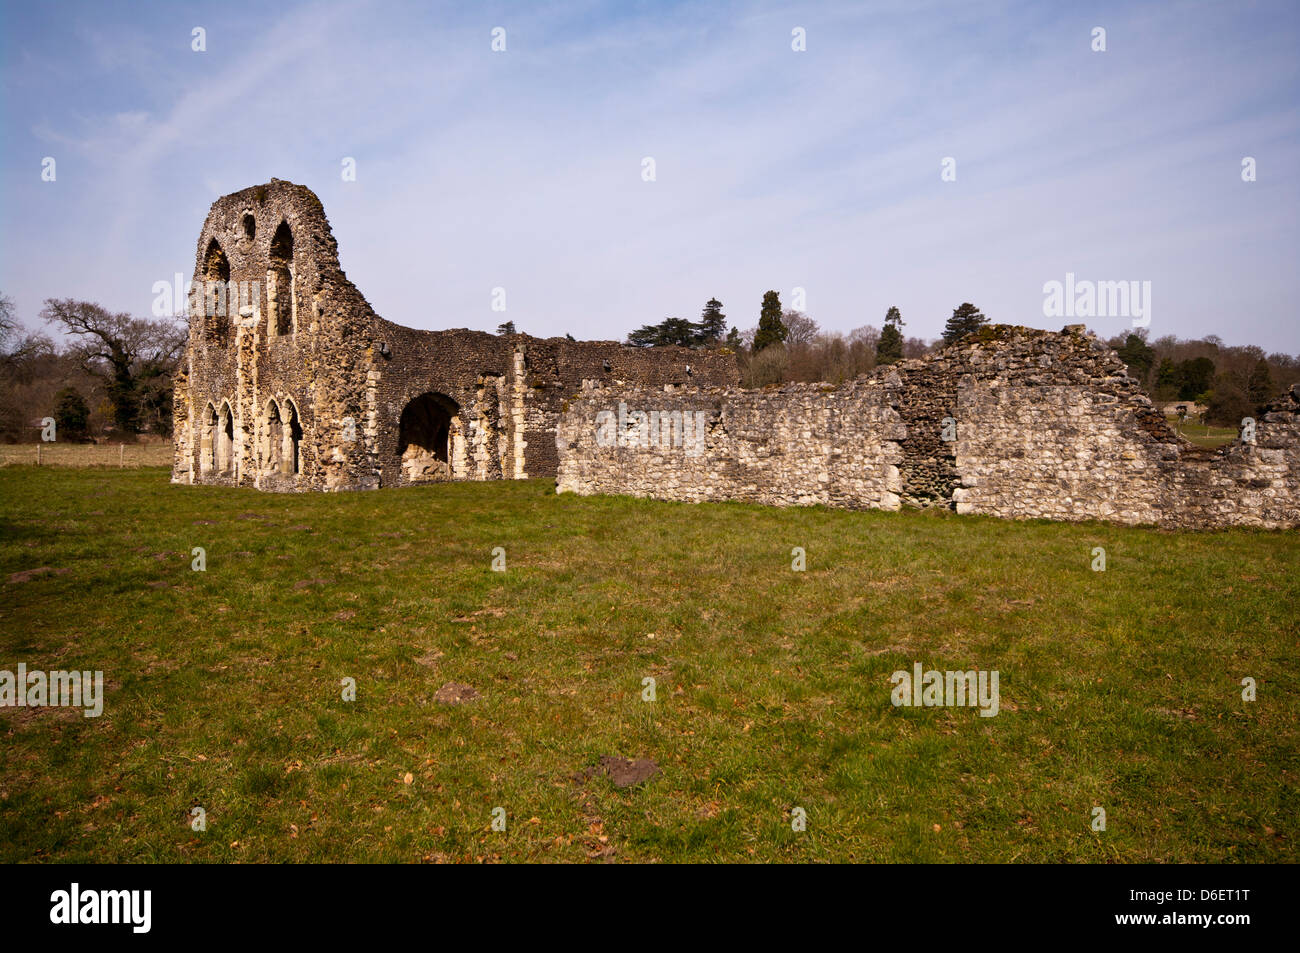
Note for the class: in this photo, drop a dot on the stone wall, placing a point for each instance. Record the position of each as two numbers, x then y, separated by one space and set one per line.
1010 422
838 447
290 381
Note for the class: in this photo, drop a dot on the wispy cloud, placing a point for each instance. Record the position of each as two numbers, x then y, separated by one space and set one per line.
775 168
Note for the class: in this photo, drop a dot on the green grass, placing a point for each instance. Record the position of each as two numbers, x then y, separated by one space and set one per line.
1118 688
64 454
1203 435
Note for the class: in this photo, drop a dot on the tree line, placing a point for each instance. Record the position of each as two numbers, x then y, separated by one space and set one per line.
112 375
1229 382
787 345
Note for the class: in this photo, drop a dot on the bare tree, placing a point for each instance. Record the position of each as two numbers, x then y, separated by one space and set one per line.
800 329
135 357
17 345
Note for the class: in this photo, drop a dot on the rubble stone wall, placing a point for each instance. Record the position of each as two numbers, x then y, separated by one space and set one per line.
290 381
1010 422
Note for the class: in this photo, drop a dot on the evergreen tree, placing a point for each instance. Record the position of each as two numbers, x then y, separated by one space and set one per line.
1138 355
713 323
507 328
668 331
733 338
1259 386
1228 403
1196 377
771 330
889 347
965 319
1168 380
71 413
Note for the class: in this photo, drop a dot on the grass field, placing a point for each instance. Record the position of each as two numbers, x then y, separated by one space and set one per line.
1203 435
57 454
1119 689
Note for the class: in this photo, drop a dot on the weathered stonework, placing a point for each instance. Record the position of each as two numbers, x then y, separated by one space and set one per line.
291 381
1010 422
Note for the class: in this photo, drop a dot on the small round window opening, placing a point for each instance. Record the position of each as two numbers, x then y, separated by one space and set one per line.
250 227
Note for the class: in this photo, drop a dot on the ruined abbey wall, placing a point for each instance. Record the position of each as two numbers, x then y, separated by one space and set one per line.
1011 422
290 381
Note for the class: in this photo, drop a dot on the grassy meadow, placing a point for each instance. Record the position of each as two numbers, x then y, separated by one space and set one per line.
1119 689
64 454
1203 435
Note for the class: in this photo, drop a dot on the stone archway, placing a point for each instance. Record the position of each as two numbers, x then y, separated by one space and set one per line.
208 440
272 439
225 451
216 306
426 436
281 294
292 454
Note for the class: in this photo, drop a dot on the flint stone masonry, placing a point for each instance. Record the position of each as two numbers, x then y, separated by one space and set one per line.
291 382
1041 424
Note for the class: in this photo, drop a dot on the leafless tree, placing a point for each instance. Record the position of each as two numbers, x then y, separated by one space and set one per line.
135 357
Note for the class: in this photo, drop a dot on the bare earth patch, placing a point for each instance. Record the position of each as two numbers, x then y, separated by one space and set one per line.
454 693
28 575
624 772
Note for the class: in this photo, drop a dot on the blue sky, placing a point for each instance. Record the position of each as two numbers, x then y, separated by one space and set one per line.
775 169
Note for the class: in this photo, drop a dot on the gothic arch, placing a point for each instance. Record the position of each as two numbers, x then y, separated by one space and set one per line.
272 450
225 444
213 295
281 293
426 432
291 456
207 439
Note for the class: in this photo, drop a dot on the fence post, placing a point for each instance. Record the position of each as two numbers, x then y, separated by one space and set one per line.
38 454
121 455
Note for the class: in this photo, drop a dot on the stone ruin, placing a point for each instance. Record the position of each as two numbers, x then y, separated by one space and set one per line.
291 382
1009 422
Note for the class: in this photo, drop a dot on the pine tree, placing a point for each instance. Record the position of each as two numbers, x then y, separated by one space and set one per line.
1228 403
668 331
1138 356
770 328
713 323
71 412
965 319
1169 380
507 328
889 347
1259 385
1196 377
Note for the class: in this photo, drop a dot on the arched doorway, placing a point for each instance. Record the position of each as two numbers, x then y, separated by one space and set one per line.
208 440
425 436
292 439
226 441
272 439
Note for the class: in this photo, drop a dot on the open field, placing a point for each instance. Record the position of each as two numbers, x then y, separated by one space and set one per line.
65 454
1203 435
1119 689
